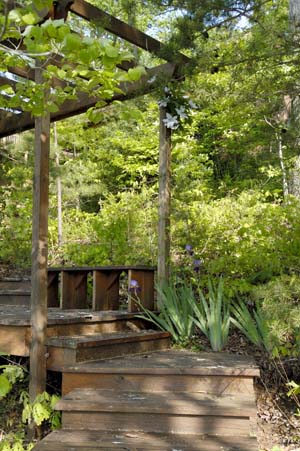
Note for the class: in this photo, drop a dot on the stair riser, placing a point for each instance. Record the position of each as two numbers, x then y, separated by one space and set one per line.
64 356
211 425
158 383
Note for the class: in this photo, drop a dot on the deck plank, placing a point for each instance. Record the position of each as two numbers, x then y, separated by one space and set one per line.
105 440
175 362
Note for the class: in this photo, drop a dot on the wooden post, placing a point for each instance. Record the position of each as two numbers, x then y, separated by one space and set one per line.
37 383
59 192
164 200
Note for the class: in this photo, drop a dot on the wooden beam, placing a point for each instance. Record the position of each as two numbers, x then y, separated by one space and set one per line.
7 81
164 199
10 124
39 278
121 29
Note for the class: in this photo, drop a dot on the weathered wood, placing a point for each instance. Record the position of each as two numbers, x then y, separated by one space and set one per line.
15 340
217 385
74 289
161 403
140 441
39 279
15 292
119 268
20 316
71 350
15 331
106 289
164 199
53 282
145 289
131 422
11 123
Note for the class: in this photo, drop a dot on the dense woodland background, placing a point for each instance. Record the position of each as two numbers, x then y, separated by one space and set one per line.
235 158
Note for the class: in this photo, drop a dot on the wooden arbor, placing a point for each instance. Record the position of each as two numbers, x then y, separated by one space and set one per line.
11 122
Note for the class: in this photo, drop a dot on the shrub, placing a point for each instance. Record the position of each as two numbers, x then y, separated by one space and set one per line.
176 312
280 301
254 326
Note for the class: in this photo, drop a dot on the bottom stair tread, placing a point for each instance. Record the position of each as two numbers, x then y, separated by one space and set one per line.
74 440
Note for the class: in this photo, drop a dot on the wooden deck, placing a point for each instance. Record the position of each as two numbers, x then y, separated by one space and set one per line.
125 389
15 330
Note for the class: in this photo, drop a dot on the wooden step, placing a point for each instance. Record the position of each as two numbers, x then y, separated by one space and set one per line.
165 412
69 350
177 371
162 403
67 440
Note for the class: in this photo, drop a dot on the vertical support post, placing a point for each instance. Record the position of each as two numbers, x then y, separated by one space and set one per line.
37 383
164 200
59 192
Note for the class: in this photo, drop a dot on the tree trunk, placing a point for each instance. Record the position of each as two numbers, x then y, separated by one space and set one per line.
294 15
285 188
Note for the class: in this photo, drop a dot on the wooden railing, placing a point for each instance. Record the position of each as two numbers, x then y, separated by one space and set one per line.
106 287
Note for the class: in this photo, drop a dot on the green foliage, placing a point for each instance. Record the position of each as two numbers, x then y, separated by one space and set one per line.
42 409
245 238
294 388
15 442
212 316
294 392
176 312
254 326
279 301
39 412
10 375
5 386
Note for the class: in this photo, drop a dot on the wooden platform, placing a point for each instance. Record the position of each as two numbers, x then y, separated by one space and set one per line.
163 401
15 333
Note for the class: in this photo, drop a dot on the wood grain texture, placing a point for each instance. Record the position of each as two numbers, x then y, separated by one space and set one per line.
156 423
106 288
145 293
39 262
217 385
168 403
69 350
74 289
141 441
164 201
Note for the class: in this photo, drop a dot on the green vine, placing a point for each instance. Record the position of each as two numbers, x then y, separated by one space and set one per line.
40 411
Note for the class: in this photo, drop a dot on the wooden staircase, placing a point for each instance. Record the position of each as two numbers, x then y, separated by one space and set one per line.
166 400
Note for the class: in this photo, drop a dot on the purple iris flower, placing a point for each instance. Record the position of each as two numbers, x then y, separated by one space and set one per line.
189 249
134 286
197 264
